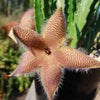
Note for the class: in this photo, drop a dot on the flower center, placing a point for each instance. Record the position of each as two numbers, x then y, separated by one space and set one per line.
47 51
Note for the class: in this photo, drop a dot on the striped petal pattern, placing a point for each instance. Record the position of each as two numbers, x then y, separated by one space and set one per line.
50 74
28 22
69 57
27 64
29 37
54 32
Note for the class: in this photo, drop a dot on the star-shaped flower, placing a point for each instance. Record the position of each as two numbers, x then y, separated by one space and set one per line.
27 19
46 51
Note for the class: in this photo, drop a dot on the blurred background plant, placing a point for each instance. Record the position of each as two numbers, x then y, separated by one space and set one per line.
9 59
9 51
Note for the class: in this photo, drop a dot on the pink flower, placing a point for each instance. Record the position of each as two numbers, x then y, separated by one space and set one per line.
46 51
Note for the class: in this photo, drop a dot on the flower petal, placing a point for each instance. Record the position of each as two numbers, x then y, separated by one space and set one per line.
28 37
54 32
69 57
27 22
29 12
50 76
12 36
28 64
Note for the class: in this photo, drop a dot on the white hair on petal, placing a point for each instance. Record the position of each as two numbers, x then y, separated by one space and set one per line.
17 75
21 57
22 47
60 83
38 71
63 77
24 74
82 50
31 74
85 70
43 26
40 82
65 43
78 69
27 28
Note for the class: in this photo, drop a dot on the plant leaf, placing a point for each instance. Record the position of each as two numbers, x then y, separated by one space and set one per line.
38 15
42 10
75 27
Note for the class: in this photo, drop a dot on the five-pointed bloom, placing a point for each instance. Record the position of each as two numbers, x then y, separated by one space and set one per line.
46 51
27 19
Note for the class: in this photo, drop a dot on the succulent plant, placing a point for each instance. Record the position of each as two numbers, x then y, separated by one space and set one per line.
47 53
